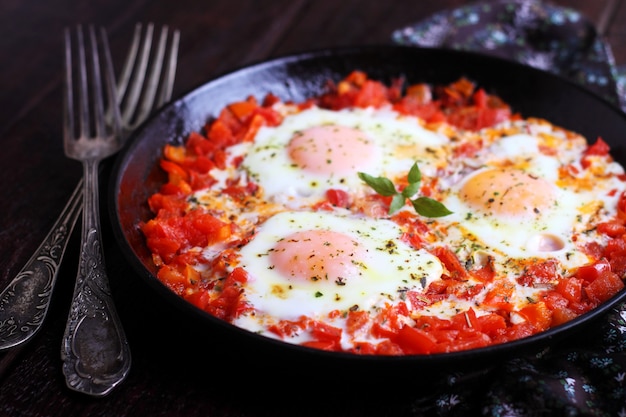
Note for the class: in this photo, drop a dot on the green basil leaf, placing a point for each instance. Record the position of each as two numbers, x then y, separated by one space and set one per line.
397 202
411 189
428 207
423 205
415 175
381 185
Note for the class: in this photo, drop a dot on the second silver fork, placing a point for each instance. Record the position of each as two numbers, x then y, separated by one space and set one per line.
24 302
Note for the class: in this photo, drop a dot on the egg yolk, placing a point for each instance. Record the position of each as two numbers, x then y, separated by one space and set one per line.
508 192
331 149
315 255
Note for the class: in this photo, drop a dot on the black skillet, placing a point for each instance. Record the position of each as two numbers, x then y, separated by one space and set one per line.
529 91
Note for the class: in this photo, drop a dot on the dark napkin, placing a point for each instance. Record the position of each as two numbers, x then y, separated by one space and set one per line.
556 39
584 375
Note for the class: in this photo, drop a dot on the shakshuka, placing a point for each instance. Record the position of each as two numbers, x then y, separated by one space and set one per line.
389 219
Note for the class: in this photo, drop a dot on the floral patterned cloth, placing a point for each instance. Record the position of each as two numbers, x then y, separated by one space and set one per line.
584 375
556 39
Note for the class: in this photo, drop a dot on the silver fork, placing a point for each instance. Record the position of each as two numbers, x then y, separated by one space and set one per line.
24 302
95 351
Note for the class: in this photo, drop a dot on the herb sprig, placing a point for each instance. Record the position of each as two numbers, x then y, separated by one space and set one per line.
424 206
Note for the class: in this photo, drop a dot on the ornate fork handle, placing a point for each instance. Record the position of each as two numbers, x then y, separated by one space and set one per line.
95 351
25 301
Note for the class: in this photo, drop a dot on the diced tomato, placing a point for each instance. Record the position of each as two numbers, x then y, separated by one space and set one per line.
562 315
499 296
380 330
162 239
388 348
485 273
270 99
417 300
445 337
492 324
230 303
600 147
338 198
200 164
328 345
357 78
468 149
182 188
466 341
591 272
612 228
430 323
387 323
243 110
414 341
456 94
615 246
413 239
421 93
174 153
239 275
203 228
492 116
167 235
465 291
171 275
372 94
199 298
571 288
618 263
199 181
538 314
605 286
559 305
450 261
363 348
471 320
429 112
356 320
325 336
539 273
239 192
165 247
287 328
437 290
516 331
323 331
480 98
472 118
256 122
175 172
170 203
594 250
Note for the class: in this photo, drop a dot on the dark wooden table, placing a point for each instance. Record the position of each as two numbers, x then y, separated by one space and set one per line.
169 375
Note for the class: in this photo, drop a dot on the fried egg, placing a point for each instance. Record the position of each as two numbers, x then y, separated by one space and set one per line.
312 263
513 206
316 149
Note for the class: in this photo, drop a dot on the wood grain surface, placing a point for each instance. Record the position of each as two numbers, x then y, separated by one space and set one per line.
168 377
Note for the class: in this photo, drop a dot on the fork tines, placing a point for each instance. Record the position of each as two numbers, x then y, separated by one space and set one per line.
159 80
93 58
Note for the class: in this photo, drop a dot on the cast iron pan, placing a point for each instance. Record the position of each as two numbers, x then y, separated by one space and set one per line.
530 92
